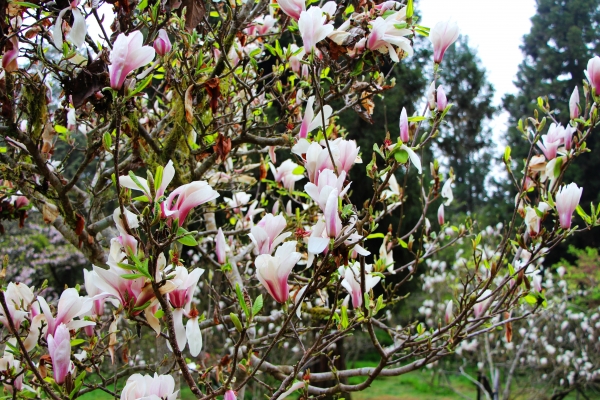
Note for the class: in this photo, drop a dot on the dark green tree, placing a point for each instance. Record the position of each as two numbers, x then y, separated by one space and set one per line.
465 140
563 37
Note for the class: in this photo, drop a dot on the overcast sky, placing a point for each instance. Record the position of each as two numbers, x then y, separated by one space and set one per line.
494 27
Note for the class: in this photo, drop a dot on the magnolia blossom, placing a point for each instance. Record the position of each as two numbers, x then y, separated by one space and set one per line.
78 30
11 367
447 191
188 197
266 234
165 175
430 95
9 58
404 133
484 299
238 201
440 214
285 174
333 223
293 8
141 387
310 122
313 28
442 101
273 271
181 300
19 299
393 188
593 73
327 182
128 54
345 153
442 36
574 104
351 282
567 200
59 348
317 159
384 34
550 142
70 306
448 315
162 43
296 54
230 394
221 247
261 25
386 255
127 241
533 220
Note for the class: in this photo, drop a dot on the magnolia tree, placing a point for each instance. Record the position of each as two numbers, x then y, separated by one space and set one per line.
557 348
160 137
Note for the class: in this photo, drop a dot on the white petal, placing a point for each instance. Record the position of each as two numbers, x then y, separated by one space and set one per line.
79 29
194 336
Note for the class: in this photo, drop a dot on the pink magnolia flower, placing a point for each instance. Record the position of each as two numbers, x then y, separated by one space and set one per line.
127 241
285 175
550 142
333 223
59 347
327 182
188 197
70 306
352 279
440 214
293 8
317 159
162 43
404 133
482 304
536 280
568 133
296 56
11 368
78 30
313 28
442 101
221 247
165 175
230 395
593 73
533 220
448 315
567 200
384 34
387 5
140 387
261 25
574 104
181 300
94 293
19 299
9 59
128 54
266 234
273 271
310 122
443 35
345 154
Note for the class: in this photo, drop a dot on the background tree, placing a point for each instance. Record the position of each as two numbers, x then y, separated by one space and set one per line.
465 140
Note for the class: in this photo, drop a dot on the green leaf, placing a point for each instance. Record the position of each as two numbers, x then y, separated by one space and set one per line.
188 241
344 319
401 156
159 314
236 322
358 68
143 198
410 10
25 4
240 296
60 129
132 276
107 141
349 9
257 306
158 176
143 4
299 170
141 86
531 299
214 14
582 214
376 150
416 118
507 154
376 236
76 342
